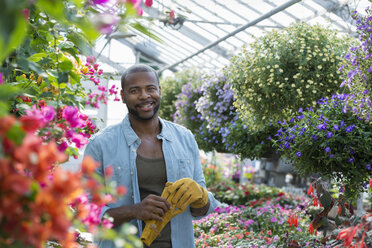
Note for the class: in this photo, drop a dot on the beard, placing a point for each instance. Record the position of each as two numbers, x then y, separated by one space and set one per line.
136 115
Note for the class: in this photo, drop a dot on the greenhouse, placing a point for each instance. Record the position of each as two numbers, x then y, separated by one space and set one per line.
167 123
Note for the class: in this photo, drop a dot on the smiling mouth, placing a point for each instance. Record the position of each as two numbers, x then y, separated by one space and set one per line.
146 106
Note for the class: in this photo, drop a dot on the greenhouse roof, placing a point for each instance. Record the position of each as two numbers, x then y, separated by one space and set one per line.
205 34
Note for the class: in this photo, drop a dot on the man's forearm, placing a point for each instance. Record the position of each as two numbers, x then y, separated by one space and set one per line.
200 211
122 214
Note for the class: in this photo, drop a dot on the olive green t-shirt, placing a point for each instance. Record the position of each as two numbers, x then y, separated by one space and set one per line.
152 176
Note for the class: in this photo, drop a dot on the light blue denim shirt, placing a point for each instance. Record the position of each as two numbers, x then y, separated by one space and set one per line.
117 146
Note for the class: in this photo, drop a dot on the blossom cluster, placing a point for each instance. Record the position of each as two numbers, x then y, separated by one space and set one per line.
65 126
36 195
285 70
92 73
358 69
107 21
205 106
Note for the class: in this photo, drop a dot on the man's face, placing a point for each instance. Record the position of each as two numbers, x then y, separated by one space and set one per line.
141 94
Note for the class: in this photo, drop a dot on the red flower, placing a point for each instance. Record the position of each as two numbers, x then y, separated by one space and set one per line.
292 220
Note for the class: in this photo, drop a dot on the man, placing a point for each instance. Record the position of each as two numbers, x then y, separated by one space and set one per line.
146 152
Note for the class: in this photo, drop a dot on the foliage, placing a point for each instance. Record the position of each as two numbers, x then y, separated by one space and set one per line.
330 141
171 87
285 70
250 143
248 194
357 70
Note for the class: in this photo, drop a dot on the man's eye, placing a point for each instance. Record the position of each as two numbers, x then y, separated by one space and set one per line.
133 91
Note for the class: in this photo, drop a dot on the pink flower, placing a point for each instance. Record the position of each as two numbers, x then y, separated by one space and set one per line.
95 66
79 140
70 114
99 2
48 112
100 71
91 59
106 22
1 78
62 147
26 13
148 3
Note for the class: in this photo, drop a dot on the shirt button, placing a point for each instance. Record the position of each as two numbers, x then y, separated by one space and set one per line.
188 161
133 150
119 168
131 173
132 196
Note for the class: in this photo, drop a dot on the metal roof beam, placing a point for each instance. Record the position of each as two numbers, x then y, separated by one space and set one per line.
242 28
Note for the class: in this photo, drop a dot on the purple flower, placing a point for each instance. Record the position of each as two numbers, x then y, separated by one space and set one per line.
287 145
327 149
336 127
300 110
368 166
298 154
351 160
273 219
322 126
331 155
349 129
329 135
342 123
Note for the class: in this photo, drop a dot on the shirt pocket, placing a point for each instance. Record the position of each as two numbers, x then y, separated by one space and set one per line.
185 168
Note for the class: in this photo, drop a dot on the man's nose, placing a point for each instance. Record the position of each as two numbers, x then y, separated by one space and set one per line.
144 94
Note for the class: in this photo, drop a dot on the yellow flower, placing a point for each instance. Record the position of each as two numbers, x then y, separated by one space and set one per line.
39 80
85 69
32 76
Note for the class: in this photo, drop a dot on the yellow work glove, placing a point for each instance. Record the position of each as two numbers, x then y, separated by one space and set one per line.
188 192
153 227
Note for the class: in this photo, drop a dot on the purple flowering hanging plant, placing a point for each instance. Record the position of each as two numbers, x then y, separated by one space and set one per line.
342 150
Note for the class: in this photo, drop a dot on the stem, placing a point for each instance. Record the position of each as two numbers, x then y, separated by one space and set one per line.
59 87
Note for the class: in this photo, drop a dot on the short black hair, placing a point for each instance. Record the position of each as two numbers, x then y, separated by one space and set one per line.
137 68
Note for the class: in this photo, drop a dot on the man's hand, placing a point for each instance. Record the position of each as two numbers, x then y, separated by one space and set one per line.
188 192
152 207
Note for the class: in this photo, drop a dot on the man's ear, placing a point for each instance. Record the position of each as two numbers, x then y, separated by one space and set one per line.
159 89
122 96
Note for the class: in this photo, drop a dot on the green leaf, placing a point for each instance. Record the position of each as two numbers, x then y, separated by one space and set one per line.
8 91
16 38
62 77
54 8
65 65
16 134
37 57
145 31
326 199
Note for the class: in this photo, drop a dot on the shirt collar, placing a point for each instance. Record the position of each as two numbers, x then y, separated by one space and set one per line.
131 136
